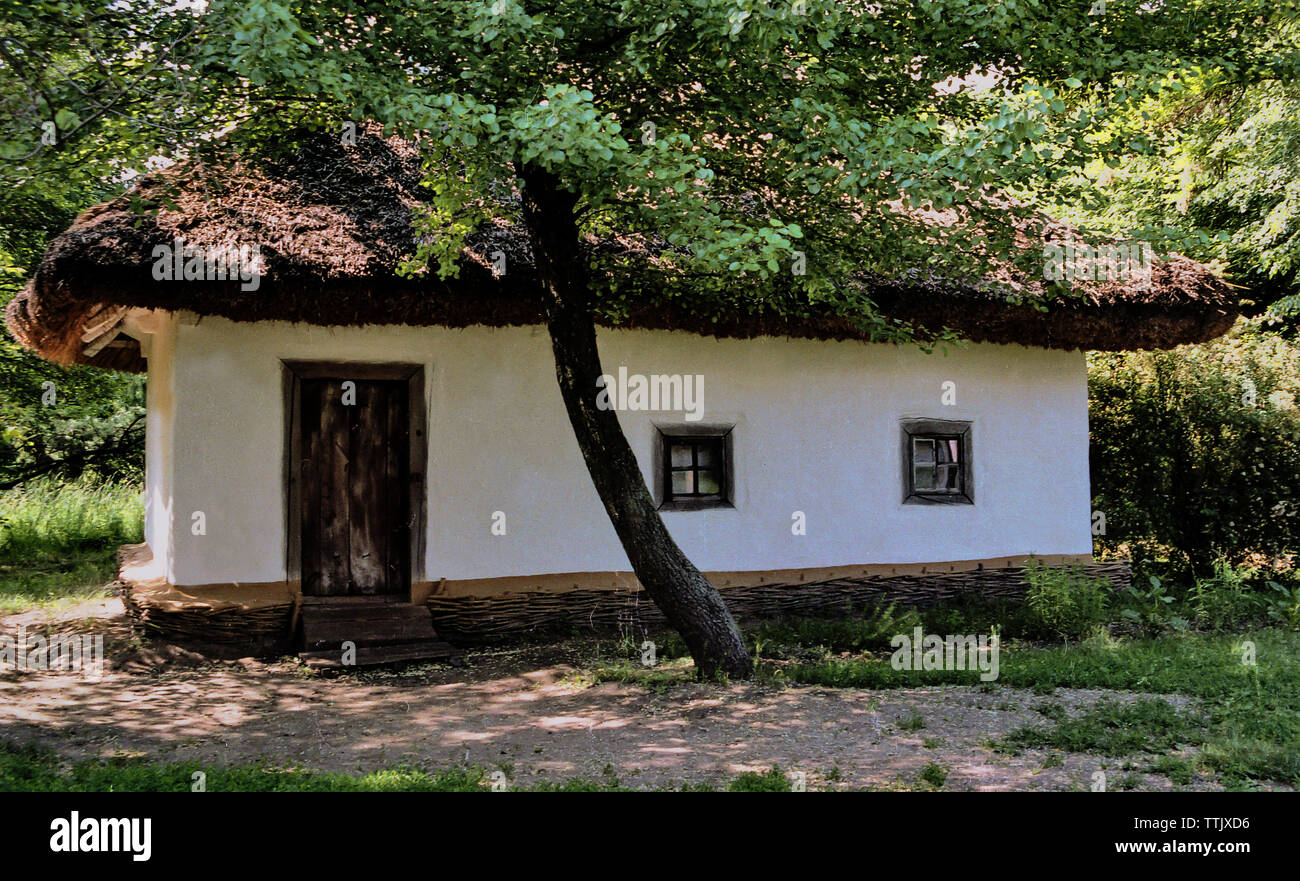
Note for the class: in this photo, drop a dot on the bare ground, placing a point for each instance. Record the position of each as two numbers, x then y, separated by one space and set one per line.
533 713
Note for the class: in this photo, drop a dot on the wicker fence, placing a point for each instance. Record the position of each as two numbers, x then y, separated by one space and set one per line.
231 632
238 631
468 620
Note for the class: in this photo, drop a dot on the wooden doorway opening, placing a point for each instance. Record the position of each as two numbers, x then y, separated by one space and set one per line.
355 466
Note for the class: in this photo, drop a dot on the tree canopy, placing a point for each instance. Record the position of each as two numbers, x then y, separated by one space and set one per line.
752 136
1218 172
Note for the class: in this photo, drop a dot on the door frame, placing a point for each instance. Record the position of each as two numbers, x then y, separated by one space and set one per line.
292 374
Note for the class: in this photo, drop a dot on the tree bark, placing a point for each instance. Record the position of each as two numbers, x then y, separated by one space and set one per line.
691 605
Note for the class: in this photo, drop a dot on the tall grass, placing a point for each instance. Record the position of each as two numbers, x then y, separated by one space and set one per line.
49 519
57 540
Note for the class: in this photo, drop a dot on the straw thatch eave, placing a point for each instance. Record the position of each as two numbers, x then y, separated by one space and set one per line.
333 225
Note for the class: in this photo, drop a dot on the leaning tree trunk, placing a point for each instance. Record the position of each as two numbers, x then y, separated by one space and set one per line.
688 601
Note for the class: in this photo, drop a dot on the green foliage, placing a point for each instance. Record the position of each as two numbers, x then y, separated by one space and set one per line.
1178 770
1114 728
48 519
31 768
738 133
88 95
1283 604
871 630
1224 600
66 581
771 780
913 723
972 613
93 427
1196 451
664 675
1252 709
1218 172
934 774
58 541
56 420
88 92
1150 609
1065 600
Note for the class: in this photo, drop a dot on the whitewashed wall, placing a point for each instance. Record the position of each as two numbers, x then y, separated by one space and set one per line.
159 347
816 430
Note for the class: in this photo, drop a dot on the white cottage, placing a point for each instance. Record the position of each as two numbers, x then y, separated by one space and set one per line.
330 443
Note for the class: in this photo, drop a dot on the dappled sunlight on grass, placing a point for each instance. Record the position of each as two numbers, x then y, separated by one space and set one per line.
55 586
58 541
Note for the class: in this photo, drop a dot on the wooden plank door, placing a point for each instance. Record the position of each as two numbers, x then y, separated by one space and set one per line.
354 474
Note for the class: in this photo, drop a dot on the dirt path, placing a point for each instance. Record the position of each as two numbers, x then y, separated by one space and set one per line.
534 718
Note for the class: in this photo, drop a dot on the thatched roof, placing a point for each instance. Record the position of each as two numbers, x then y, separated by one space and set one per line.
333 224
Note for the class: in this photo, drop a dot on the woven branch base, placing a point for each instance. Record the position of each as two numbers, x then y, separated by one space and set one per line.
219 633
470 620
268 631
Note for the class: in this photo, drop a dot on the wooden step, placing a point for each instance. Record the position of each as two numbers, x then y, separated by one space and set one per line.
375 655
377 599
370 624
384 632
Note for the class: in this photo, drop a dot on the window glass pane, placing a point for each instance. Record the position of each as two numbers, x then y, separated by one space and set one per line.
923 478
683 482
951 450
709 483
681 455
948 478
922 450
708 454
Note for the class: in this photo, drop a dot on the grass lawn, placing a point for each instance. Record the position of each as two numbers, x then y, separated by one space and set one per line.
28 769
1247 728
58 541
1250 729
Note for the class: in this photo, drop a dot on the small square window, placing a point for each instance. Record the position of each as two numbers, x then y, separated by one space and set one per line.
937 462
695 470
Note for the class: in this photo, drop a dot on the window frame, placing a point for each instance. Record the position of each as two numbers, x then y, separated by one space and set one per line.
939 429
668 435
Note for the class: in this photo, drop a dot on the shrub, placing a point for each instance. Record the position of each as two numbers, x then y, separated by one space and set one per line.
972 613
871 630
1283 604
1149 608
1196 451
92 426
1065 600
